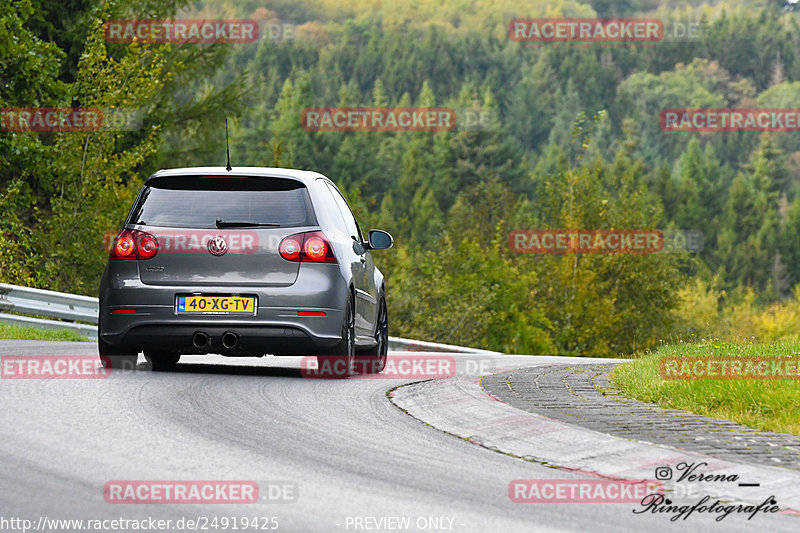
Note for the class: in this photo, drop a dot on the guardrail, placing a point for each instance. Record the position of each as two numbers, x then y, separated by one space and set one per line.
73 309
407 345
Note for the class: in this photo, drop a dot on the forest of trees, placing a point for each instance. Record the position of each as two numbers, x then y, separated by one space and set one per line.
574 142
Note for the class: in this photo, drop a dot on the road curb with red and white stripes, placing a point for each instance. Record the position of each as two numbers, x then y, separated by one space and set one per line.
460 407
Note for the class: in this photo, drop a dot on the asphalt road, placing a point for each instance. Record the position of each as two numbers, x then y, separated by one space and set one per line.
353 459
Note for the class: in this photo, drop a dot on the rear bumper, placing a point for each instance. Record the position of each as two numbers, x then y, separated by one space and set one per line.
276 327
252 340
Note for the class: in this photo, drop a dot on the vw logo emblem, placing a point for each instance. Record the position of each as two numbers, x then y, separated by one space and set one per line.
217 245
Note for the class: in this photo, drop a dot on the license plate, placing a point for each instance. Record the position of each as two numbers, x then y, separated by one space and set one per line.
217 304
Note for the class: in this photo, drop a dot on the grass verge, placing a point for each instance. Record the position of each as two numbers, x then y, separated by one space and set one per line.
772 405
14 331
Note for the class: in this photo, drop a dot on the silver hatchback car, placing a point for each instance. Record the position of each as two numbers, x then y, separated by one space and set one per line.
245 262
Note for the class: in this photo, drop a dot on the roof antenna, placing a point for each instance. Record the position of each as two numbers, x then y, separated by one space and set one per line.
227 148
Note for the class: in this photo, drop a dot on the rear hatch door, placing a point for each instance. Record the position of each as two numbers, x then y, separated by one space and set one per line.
221 230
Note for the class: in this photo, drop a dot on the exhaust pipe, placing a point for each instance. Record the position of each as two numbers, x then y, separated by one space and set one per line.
230 339
200 339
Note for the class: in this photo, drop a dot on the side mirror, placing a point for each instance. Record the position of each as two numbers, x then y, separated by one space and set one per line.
379 240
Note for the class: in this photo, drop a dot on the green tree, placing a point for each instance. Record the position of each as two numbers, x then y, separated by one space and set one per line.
603 304
67 188
748 242
472 290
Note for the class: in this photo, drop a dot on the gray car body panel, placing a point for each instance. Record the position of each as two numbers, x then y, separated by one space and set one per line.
275 328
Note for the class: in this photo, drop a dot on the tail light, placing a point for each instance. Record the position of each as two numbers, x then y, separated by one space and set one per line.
133 244
311 247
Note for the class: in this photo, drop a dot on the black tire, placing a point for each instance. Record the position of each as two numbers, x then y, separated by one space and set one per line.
373 360
117 357
342 356
161 362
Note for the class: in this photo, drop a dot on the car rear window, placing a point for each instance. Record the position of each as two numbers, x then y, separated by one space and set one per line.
198 202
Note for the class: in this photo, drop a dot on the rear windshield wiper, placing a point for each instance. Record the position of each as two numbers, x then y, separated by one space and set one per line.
234 224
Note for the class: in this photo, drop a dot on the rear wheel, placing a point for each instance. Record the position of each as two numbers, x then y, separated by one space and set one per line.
339 363
117 357
373 360
161 361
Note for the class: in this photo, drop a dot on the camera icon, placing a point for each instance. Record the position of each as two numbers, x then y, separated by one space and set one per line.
663 473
